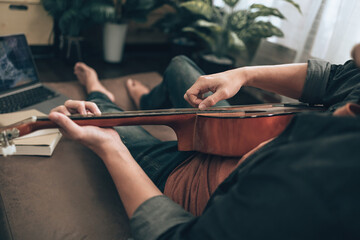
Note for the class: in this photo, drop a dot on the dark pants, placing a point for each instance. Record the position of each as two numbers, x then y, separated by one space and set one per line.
158 159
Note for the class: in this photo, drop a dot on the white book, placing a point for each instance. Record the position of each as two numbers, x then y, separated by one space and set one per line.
40 143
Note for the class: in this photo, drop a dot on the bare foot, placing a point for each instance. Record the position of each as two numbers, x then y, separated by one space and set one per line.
136 89
88 77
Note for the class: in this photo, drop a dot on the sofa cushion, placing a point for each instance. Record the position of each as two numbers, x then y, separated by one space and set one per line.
69 195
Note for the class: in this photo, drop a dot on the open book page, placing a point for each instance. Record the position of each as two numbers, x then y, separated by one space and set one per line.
10 118
41 142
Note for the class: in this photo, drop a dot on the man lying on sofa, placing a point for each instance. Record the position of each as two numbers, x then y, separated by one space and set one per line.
303 184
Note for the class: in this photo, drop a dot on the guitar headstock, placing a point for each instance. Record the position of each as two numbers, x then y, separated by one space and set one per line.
6 141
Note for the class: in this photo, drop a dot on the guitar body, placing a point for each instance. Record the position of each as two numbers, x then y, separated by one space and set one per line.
235 137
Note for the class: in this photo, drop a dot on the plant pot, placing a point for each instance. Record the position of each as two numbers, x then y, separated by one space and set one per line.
210 63
114 40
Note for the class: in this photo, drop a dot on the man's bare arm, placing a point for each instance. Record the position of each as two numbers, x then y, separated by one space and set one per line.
287 80
132 183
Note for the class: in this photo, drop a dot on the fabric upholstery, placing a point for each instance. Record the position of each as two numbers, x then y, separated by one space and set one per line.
69 195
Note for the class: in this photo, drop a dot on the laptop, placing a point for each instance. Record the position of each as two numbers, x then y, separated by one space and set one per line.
20 87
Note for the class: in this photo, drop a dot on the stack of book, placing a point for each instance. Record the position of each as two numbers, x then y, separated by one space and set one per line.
38 143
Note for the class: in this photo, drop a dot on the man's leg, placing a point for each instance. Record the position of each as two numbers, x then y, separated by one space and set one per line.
156 158
178 77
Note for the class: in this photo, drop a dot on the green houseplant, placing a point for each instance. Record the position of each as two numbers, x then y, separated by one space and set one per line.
172 23
227 32
115 15
71 17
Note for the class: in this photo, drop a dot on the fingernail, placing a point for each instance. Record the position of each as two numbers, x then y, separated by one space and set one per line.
54 116
202 106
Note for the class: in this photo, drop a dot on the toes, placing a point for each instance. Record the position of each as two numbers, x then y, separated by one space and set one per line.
79 66
130 83
82 67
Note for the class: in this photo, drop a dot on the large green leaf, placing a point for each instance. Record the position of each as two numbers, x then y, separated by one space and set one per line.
208 40
199 8
235 43
238 20
262 29
264 11
294 4
231 3
205 1
214 28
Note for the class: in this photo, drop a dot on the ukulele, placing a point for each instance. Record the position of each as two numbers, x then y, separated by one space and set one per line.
226 131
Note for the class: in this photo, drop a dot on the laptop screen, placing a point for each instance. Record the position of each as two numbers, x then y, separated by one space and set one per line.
16 64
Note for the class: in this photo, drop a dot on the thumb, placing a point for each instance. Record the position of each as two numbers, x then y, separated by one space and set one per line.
210 101
67 126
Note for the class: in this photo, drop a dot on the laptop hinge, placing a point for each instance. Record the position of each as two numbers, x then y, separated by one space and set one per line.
21 90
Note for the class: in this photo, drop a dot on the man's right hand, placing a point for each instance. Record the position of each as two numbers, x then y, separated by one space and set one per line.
285 79
223 85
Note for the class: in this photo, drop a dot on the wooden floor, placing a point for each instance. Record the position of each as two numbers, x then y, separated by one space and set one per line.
55 69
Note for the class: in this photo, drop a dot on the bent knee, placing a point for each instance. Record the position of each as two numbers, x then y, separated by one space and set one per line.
181 63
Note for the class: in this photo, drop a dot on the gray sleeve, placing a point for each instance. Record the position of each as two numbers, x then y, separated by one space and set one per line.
155 216
318 73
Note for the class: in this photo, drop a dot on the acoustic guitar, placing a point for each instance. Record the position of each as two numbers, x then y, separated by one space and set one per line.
225 131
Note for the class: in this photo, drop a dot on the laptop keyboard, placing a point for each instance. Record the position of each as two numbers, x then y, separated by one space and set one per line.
24 99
